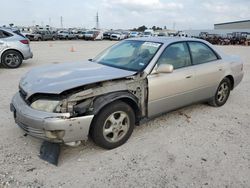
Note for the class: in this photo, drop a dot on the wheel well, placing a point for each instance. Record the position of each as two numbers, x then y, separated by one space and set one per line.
12 50
134 106
230 77
126 100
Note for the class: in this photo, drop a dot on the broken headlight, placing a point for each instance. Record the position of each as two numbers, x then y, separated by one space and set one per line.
45 105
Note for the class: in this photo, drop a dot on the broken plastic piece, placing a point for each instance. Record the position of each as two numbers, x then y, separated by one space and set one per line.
50 152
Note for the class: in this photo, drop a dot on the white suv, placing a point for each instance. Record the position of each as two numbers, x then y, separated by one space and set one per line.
14 48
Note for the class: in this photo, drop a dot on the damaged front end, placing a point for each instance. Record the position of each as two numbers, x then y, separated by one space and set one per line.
67 117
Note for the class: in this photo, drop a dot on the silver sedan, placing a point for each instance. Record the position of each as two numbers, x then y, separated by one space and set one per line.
14 48
134 80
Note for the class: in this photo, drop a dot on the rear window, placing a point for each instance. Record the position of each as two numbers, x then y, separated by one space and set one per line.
4 34
18 33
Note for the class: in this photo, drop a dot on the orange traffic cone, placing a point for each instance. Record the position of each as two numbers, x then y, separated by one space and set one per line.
72 49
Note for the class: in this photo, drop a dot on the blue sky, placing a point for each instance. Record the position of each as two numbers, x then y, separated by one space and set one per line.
184 14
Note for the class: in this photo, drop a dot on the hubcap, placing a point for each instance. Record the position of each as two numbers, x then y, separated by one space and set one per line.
222 92
12 60
116 126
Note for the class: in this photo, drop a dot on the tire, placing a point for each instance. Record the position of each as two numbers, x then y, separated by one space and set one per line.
222 93
113 125
11 59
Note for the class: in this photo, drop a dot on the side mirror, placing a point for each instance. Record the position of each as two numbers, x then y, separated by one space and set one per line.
164 68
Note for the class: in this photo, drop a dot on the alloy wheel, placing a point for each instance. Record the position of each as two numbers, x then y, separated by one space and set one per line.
12 60
116 126
223 92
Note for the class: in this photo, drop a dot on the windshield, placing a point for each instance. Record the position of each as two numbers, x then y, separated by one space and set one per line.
129 55
147 33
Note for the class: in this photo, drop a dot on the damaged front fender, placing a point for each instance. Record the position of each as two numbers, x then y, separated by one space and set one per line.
132 90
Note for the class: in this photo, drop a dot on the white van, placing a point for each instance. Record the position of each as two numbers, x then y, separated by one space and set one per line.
148 33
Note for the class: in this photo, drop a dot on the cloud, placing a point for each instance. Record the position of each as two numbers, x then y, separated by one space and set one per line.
184 14
144 5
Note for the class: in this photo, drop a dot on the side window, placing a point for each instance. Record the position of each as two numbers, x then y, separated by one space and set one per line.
201 53
177 55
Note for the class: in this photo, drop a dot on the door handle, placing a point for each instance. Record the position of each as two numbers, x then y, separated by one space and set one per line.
220 69
189 76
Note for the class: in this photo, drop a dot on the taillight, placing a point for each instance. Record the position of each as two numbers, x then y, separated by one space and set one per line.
24 41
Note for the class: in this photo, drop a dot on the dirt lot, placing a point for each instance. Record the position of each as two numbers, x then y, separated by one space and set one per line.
197 146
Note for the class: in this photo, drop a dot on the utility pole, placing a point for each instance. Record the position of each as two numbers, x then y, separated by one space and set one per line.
61 20
97 21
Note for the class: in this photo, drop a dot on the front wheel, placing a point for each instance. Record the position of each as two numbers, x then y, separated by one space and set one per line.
113 125
222 93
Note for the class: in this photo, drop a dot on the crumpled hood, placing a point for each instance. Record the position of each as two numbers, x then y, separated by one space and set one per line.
54 79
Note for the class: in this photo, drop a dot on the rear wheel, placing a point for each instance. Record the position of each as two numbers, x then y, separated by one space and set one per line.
222 93
12 59
113 125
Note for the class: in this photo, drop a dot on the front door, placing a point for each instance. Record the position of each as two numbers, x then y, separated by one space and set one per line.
168 91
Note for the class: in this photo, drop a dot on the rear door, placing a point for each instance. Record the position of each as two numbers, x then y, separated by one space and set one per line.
1 40
3 37
209 69
168 91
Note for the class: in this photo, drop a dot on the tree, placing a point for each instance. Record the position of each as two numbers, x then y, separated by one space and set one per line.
11 24
142 28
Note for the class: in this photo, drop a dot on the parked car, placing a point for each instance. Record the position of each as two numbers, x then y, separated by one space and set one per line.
107 34
14 48
81 34
48 35
134 80
117 36
148 33
66 35
93 35
162 35
42 35
35 36
134 34
126 34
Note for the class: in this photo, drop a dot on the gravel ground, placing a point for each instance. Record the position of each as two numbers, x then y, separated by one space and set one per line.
197 146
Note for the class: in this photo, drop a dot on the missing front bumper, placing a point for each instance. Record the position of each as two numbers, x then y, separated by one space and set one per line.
54 127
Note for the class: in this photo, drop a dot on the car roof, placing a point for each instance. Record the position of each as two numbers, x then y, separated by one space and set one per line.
165 40
8 29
